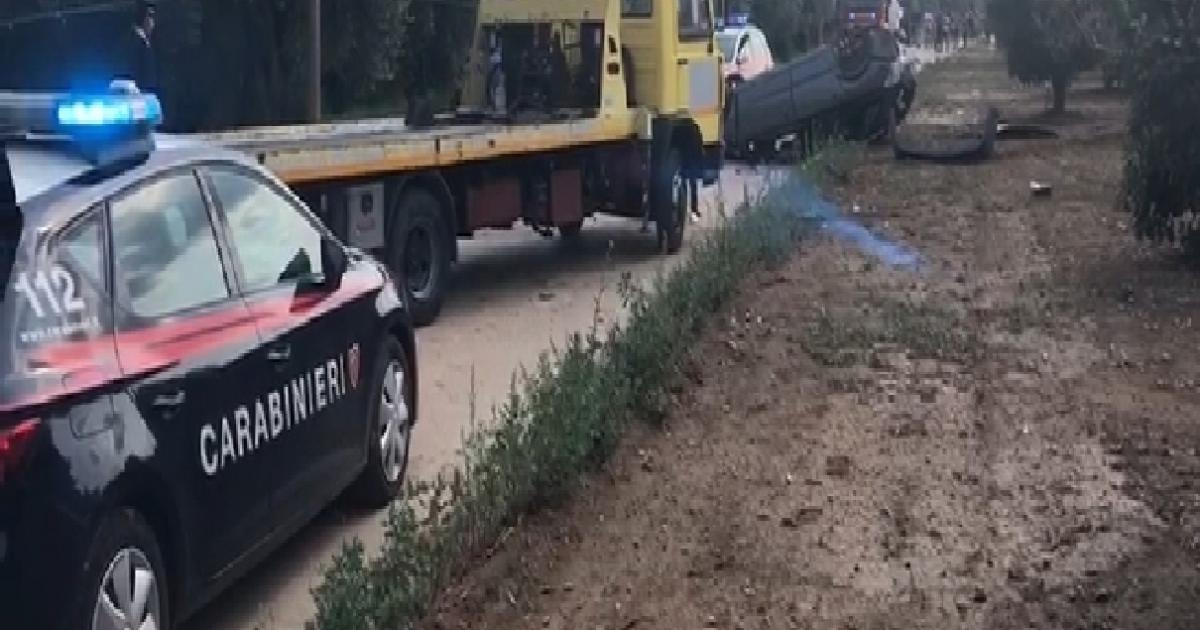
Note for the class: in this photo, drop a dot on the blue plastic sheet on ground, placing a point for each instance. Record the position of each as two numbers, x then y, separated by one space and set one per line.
799 195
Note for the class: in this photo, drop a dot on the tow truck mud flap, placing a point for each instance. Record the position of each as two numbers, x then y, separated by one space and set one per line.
667 171
660 148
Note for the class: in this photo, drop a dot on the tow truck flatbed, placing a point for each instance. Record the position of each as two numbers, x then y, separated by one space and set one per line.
301 154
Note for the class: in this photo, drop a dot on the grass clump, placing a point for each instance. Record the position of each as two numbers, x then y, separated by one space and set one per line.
841 339
560 421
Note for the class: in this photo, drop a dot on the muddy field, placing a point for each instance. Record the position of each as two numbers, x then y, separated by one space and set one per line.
1004 437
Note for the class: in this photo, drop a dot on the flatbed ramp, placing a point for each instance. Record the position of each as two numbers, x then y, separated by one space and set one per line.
321 152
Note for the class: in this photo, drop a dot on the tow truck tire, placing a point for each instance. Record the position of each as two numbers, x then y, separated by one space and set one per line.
672 198
124 555
570 231
383 477
420 253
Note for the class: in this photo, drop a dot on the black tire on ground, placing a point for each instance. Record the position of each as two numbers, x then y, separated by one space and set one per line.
375 486
672 194
119 533
419 253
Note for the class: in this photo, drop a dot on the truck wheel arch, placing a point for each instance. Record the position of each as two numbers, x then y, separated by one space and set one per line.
434 184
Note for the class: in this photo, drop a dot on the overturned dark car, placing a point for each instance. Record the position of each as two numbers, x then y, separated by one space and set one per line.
857 89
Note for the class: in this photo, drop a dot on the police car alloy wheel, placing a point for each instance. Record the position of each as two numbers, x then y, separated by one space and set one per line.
128 597
394 422
390 426
124 579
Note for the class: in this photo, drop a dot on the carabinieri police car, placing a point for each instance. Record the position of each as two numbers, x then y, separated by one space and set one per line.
192 366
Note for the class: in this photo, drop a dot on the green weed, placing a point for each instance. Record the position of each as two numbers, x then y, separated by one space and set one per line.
841 338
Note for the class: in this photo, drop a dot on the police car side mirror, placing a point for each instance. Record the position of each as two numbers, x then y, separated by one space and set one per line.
334 263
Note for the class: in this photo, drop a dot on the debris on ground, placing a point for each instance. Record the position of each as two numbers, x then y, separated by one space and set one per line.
1024 131
1040 190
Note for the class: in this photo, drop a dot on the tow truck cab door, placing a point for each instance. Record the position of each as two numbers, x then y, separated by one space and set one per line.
697 66
186 343
314 338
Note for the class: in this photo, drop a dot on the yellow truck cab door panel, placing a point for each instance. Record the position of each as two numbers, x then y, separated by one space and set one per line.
697 67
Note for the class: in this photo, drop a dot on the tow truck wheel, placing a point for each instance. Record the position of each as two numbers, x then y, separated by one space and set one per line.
420 254
389 423
124 581
570 231
671 215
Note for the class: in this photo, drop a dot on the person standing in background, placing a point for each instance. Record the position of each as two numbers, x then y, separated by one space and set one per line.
138 62
939 37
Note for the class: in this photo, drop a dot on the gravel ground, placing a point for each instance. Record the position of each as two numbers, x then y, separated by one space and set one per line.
1003 437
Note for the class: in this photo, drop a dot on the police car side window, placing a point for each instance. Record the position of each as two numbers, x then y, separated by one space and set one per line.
65 298
274 242
165 253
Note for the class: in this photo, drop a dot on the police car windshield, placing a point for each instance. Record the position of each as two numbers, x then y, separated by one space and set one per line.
38 167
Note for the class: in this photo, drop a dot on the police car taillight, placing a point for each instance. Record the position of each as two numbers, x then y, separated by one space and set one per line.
14 445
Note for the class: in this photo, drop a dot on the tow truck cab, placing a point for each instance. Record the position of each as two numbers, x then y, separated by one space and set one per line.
623 60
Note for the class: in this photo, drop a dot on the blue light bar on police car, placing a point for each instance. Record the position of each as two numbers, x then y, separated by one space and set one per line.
106 128
109 111
116 114
738 19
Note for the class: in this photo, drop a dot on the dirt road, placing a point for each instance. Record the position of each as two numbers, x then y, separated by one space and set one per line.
1002 438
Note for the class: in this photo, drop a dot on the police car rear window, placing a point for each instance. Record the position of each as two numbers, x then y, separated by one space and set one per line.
10 235
10 223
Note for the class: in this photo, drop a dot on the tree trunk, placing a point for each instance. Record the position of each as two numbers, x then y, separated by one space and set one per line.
1059 84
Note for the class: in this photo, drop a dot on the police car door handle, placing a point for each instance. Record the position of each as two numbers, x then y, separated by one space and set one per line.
173 399
280 353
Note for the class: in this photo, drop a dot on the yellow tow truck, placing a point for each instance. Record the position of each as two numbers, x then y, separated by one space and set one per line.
567 108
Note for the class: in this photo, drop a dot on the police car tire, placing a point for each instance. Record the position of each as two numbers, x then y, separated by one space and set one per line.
372 488
121 529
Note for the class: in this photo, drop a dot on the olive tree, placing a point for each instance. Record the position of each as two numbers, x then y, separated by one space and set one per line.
1162 169
1048 40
